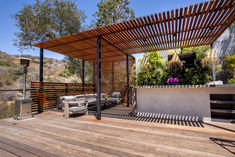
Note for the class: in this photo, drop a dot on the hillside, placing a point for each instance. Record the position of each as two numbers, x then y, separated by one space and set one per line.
11 77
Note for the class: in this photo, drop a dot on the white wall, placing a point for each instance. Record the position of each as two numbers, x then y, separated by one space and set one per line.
179 101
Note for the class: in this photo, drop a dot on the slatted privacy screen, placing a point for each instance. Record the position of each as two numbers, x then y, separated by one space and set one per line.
45 94
194 25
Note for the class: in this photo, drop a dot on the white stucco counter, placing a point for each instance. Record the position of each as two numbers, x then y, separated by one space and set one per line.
183 100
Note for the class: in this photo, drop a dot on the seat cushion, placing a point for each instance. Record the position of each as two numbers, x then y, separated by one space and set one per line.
112 99
77 108
115 94
94 102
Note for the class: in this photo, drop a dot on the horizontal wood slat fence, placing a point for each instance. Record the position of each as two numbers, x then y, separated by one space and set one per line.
45 94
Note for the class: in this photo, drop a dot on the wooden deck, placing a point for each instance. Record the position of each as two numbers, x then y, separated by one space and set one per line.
49 135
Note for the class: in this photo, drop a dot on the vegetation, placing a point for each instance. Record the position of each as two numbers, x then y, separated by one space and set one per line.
156 72
45 20
112 11
74 66
230 64
5 63
49 19
6 111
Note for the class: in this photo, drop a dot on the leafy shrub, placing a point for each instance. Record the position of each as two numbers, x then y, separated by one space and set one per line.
6 111
65 73
16 74
156 72
230 64
231 81
5 63
6 79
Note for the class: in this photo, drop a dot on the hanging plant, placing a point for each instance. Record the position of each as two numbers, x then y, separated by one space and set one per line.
175 63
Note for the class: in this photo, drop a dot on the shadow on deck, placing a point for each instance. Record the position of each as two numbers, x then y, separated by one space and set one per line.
125 113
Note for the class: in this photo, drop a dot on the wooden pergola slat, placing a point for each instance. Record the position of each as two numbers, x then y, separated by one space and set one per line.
199 24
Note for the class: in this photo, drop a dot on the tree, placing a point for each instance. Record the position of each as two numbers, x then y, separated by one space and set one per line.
74 66
112 11
46 20
50 19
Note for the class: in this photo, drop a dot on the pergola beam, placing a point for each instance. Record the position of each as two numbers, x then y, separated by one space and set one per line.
98 81
41 66
127 80
117 48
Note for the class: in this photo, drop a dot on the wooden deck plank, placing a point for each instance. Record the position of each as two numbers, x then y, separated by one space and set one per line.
172 139
4 153
53 134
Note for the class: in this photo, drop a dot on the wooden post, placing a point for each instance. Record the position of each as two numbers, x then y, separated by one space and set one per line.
66 89
127 80
98 83
41 66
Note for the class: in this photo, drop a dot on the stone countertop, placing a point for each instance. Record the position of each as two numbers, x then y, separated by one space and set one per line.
184 86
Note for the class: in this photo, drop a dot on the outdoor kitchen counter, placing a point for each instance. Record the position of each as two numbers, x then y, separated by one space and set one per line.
181 100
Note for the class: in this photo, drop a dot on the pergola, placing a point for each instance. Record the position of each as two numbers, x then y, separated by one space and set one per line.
196 25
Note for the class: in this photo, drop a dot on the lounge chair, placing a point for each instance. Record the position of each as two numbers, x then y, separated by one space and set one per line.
73 98
115 98
77 106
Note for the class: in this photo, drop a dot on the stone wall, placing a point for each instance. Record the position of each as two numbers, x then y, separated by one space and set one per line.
225 44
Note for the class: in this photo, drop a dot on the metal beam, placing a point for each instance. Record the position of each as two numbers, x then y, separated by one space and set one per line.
83 72
41 66
98 83
127 80
117 48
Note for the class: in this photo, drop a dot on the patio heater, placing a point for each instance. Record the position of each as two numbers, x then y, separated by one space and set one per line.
23 106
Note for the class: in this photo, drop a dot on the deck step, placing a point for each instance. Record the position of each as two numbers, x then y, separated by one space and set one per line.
224 111
223 102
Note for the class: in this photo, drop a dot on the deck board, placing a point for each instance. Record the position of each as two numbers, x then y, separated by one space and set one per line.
50 134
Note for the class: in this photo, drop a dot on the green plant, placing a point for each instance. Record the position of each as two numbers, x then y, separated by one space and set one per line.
5 63
65 73
154 73
230 64
231 81
57 18
6 111
16 73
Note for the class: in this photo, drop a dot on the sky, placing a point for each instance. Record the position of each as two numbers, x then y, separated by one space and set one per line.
10 7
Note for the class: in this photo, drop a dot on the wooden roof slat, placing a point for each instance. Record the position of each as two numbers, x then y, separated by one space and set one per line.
192 23
208 22
180 27
196 23
156 31
185 10
153 32
160 31
145 30
165 24
176 28
229 19
204 22
187 26
200 25
150 30
218 16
